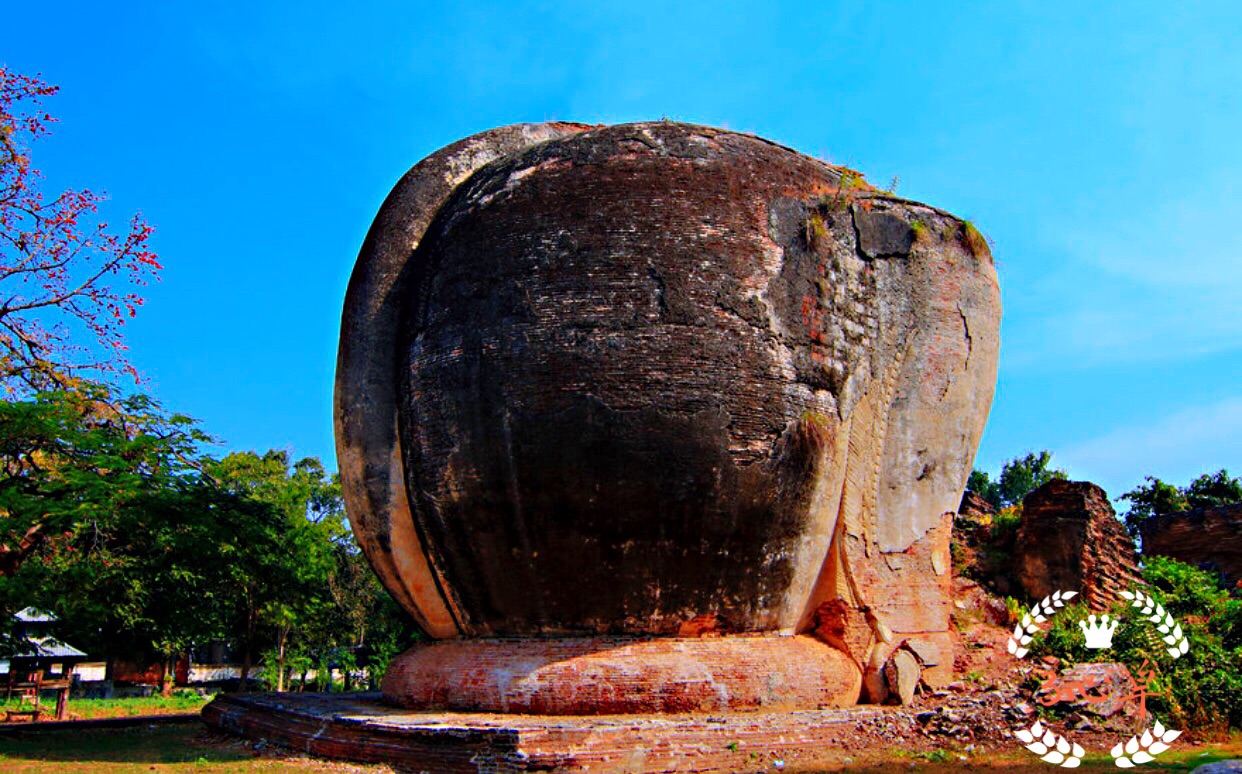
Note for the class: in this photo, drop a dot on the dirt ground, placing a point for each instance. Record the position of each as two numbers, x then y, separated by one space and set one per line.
969 725
189 748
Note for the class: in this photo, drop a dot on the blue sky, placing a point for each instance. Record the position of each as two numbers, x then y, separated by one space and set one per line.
1098 146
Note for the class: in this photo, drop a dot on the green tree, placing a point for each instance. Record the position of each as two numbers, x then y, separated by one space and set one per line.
1153 498
116 526
111 517
1023 475
155 577
1201 689
316 602
1213 489
329 606
981 484
73 457
290 586
1157 498
362 619
1019 477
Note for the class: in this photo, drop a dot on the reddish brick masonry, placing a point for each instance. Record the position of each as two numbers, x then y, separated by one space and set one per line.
603 675
364 729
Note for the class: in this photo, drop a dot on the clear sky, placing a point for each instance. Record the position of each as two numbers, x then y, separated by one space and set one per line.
1098 145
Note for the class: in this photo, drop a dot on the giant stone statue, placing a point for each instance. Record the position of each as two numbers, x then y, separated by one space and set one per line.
659 417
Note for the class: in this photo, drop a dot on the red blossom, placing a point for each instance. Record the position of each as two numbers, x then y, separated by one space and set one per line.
58 262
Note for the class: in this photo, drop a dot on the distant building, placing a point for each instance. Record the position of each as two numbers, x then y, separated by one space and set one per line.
36 649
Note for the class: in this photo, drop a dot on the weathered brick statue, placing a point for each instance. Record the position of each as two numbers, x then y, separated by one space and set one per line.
660 417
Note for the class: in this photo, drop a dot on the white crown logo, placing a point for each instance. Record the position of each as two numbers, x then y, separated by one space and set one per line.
1098 635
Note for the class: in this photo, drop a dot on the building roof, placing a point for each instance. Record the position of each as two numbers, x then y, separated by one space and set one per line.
47 647
34 615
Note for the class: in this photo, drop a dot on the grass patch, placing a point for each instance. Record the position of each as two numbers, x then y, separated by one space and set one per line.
181 703
137 749
975 240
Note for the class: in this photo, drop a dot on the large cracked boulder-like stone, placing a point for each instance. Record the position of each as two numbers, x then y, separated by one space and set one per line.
1210 537
619 380
1070 540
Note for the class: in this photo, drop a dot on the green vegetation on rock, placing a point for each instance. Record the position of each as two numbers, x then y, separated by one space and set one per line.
1200 690
1156 498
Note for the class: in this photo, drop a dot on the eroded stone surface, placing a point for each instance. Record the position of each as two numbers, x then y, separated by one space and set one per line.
1070 540
974 510
882 234
640 362
655 375
901 672
365 411
360 727
1210 537
603 675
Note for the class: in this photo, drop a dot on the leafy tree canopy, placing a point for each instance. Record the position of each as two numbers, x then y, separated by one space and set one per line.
112 517
108 519
1018 478
315 602
1213 489
1157 498
82 456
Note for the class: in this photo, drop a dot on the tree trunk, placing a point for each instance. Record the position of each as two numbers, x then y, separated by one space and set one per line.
280 660
246 655
11 558
170 671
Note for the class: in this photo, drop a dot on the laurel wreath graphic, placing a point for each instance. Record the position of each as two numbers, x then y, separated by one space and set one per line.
1060 751
1170 630
1026 629
1143 749
1050 747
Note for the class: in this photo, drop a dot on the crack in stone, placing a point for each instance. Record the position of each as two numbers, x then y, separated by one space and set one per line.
970 342
661 299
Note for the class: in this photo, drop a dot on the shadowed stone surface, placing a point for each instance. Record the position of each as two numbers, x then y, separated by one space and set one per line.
365 412
1209 537
1070 540
642 377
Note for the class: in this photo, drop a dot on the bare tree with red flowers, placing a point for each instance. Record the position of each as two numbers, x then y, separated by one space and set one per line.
67 280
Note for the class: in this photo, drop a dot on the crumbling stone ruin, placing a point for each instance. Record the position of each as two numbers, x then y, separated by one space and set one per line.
631 416
1203 537
1070 539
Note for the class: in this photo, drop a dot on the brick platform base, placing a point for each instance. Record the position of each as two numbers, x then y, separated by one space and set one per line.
360 727
622 675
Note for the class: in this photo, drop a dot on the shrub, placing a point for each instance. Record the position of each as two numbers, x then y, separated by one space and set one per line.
1228 624
1202 689
1182 589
